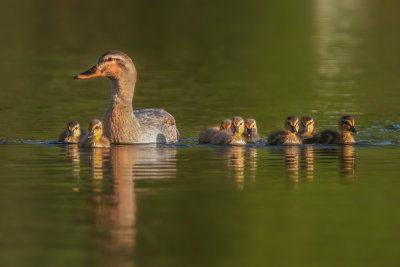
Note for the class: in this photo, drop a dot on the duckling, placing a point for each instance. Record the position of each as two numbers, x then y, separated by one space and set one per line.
307 131
250 132
341 137
289 135
95 137
72 134
206 136
234 137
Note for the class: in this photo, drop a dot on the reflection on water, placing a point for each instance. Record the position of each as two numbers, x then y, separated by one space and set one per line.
336 41
307 161
304 155
123 164
243 162
72 152
347 159
292 162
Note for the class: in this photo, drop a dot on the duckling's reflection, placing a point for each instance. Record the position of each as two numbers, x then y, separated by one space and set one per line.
97 158
238 158
347 159
115 215
307 161
72 152
292 162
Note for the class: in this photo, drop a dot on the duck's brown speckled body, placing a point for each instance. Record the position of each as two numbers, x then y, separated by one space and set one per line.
341 137
206 136
122 125
234 137
307 130
95 137
289 135
250 131
72 134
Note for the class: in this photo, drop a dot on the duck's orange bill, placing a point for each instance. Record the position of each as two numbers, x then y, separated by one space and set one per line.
90 73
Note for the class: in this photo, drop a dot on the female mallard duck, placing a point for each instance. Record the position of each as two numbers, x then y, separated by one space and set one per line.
307 131
72 134
250 132
234 137
206 136
341 137
95 137
289 135
122 125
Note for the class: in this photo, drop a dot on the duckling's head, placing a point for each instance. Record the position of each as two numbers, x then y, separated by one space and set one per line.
226 124
237 126
292 124
346 125
112 64
307 124
95 129
73 129
250 127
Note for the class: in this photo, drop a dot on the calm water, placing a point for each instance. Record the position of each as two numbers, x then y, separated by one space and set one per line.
189 204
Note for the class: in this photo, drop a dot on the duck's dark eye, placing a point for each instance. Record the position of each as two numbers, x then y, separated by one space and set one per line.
110 59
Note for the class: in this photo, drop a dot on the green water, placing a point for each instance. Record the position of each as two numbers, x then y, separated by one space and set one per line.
198 205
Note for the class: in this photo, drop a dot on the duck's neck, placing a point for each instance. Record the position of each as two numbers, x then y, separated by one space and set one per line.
122 91
120 125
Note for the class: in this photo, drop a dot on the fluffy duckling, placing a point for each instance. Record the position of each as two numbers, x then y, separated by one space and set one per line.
72 134
206 136
250 132
289 135
234 137
95 137
307 130
341 137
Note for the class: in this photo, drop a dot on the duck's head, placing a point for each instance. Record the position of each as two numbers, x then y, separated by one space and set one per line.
73 129
307 125
251 127
346 125
226 124
292 124
112 64
237 126
95 129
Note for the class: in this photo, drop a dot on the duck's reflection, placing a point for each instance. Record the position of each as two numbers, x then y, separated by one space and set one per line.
307 161
328 156
72 152
292 162
347 159
120 166
243 162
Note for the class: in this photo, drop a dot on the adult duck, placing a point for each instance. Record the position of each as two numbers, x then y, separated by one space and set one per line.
122 125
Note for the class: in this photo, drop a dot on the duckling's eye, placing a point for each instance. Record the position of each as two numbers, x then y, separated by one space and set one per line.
110 59
241 123
97 127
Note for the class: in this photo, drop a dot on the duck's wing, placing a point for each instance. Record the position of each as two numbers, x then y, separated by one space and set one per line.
277 138
158 122
328 137
206 135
